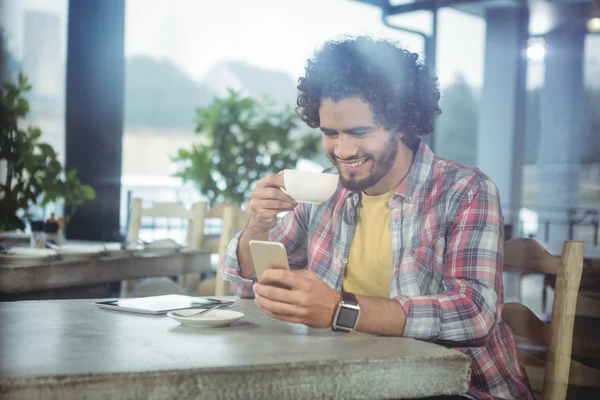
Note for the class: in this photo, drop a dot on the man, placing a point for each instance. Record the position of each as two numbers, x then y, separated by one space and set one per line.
413 240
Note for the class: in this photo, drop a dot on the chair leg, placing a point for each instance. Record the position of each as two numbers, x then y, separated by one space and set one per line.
544 298
189 282
127 288
519 281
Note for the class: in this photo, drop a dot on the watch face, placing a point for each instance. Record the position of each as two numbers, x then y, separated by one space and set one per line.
347 317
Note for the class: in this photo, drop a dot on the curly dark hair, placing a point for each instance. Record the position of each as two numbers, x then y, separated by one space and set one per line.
402 94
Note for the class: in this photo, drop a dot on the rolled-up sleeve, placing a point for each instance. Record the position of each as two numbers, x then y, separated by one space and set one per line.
467 309
231 270
290 231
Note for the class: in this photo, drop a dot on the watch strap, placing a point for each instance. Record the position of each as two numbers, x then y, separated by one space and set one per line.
349 298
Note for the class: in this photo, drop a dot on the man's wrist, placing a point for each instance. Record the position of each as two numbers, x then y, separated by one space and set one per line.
337 300
254 231
243 251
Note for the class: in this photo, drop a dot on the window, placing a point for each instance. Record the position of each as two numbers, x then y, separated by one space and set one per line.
460 70
180 55
34 41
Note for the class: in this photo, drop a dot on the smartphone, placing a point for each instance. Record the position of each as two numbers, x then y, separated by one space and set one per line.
267 255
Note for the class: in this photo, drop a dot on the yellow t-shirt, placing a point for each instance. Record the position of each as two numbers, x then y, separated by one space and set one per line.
369 269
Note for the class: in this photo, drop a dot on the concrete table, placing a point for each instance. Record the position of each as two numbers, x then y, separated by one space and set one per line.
64 274
70 349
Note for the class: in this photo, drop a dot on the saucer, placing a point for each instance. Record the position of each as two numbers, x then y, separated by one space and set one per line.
26 256
162 246
79 251
30 252
211 319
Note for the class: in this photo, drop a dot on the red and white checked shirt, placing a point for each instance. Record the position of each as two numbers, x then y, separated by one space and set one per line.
447 248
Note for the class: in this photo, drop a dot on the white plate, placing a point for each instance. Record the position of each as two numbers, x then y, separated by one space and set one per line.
210 319
30 252
71 252
22 261
163 246
120 253
81 249
161 250
27 256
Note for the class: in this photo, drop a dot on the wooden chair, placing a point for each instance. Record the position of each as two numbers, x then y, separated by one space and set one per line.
234 220
194 238
545 349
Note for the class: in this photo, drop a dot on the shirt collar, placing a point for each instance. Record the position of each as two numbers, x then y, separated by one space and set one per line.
419 171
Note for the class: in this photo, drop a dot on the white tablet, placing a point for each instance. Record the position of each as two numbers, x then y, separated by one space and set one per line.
161 304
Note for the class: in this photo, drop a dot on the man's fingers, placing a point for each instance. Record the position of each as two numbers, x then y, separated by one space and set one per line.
272 205
271 193
271 181
281 310
278 293
274 276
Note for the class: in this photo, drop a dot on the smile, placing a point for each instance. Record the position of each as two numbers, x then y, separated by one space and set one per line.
353 164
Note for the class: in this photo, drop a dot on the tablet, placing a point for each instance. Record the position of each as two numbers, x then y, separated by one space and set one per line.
161 304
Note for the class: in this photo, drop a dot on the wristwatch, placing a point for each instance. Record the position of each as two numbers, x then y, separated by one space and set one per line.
347 313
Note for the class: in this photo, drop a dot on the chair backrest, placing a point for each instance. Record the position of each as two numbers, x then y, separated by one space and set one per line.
195 217
234 219
529 256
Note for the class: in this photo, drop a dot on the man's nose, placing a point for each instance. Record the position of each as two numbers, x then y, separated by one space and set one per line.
346 147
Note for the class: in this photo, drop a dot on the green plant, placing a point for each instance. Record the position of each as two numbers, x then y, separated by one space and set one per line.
31 173
243 140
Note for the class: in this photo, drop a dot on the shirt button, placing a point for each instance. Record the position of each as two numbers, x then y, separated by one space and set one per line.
345 261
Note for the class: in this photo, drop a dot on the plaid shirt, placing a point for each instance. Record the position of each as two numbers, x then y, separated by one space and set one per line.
447 248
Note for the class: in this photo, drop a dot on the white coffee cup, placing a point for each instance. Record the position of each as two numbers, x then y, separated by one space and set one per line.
309 186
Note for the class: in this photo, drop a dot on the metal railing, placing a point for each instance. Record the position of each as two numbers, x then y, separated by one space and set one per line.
582 223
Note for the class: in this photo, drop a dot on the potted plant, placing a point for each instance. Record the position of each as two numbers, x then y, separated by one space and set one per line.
243 139
30 173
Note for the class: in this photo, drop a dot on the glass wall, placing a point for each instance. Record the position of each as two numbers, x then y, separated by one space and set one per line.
580 220
33 41
460 59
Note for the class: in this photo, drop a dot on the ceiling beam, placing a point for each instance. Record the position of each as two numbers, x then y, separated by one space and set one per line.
377 3
421 5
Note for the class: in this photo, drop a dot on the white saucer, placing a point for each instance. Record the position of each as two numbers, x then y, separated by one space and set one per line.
30 252
81 248
120 253
27 256
79 251
210 319
163 246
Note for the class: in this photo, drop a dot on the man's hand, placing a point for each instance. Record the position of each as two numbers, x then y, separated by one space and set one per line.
306 299
266 201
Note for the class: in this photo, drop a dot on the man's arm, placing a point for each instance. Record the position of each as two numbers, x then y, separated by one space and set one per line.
243 250
237 264
380 316
267 200
311 302
468 309
463 315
